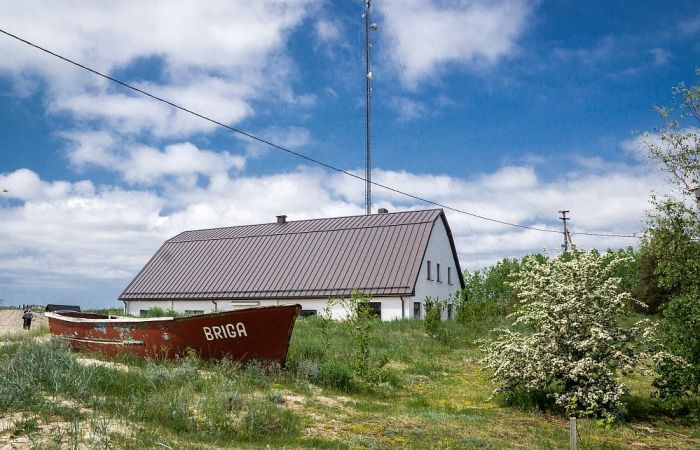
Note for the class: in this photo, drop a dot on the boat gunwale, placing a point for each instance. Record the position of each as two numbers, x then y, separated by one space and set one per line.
122 319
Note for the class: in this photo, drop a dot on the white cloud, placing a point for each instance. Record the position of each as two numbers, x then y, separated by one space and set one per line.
327 30
690 26
424 35
58 232
408 109
287 137
661 56
144 165
213 57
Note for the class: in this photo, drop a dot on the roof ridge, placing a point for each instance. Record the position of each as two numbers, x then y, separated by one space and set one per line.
174 238
172 241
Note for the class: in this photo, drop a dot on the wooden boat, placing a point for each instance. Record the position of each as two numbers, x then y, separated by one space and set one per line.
261 333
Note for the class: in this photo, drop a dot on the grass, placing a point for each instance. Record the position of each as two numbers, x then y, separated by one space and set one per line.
424 393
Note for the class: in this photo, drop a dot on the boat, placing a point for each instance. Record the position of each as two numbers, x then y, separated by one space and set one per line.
259 333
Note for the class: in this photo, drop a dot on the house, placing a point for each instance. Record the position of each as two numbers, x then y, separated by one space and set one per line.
398 258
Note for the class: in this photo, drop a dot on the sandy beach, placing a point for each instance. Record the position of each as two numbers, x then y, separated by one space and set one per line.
11 321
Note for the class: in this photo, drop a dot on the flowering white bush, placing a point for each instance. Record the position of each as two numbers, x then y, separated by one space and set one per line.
566 340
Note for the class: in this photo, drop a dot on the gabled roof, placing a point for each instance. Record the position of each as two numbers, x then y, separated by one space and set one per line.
378 254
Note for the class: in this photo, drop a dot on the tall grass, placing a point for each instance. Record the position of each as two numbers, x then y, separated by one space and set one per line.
172 395
201 404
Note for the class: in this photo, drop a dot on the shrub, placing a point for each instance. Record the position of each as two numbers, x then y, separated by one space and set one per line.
267 419
359 320
336 374
433 316
156 311
567 343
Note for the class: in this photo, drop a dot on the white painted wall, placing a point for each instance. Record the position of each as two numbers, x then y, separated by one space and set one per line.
438 251
391 306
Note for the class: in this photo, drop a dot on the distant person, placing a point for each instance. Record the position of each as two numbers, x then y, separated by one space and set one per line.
27 317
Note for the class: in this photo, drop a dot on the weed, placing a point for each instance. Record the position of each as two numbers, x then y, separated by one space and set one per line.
276 397
25 426
266 419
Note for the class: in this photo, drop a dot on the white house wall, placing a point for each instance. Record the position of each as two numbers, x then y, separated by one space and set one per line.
391 306
439 251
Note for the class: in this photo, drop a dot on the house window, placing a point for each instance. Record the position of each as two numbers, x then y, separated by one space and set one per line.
376 308
307 312
438 274
430 276
449 311
193 312
416 310
449 275
143 312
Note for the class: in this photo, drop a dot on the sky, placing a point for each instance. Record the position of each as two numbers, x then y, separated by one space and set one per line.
509 109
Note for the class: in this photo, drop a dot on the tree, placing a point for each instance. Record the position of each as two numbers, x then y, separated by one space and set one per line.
672 239
567 343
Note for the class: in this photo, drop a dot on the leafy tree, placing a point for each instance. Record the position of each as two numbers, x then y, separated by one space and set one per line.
567 343
672 239
488 292
647 290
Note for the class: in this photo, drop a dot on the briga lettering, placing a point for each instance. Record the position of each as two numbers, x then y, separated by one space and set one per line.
228 331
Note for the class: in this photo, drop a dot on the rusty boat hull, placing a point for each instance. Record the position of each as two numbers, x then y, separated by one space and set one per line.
261 334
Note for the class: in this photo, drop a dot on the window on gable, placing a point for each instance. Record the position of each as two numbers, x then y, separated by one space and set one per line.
430 275
438 273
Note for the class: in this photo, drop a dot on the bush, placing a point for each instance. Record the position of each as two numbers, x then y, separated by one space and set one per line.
567 343
156 311
433 316
268 420
336 374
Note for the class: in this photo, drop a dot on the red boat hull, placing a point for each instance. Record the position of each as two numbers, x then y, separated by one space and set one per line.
261 334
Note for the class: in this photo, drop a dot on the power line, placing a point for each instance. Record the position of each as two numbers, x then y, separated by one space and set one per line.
292 152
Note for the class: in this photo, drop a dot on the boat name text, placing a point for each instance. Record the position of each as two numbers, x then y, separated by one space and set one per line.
225 331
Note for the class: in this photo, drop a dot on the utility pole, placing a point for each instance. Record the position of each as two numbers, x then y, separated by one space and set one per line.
567 236
368 100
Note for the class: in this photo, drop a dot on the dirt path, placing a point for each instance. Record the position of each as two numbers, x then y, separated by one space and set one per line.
11 320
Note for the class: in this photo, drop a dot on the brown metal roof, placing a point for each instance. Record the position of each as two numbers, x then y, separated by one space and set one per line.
378 254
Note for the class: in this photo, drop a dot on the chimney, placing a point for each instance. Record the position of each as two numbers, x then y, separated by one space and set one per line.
281 220
382 211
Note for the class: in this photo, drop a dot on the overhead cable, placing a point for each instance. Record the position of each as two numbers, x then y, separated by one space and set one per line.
292 152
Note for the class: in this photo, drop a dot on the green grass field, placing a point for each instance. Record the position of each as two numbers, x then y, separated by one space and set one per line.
422 393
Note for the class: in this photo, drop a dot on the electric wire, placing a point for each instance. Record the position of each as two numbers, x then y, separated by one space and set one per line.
294 153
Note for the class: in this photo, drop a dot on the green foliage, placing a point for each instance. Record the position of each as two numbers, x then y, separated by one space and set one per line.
626 267
25 426
433 316
359 320
672 242
648 291
156 311
439 391
493 283
488 294
107 311
567 343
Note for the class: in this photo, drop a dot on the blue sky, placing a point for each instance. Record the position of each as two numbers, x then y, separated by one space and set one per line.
508 109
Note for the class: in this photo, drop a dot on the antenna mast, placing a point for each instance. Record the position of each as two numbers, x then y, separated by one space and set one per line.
368 94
